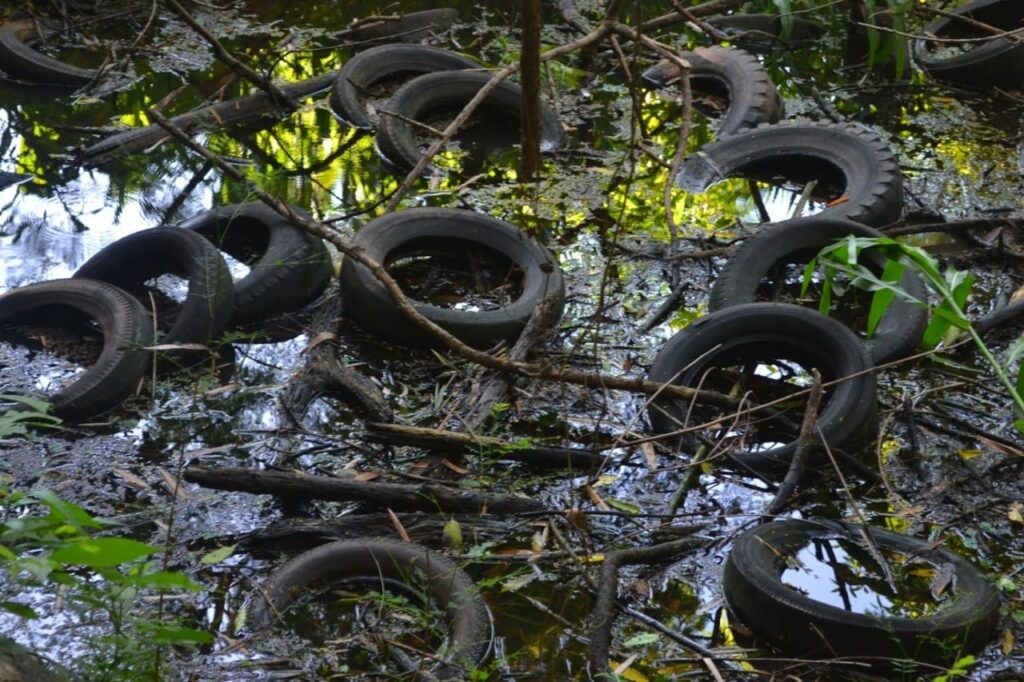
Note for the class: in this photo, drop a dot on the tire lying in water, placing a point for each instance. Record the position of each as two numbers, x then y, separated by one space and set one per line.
781 339
848 161
20 62
289 268
381 564
752 96
450 91
378 64
127 329
800 625
762 32
210 302
993 63
449 232
797 242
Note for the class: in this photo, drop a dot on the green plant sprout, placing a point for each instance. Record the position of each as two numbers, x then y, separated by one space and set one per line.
952 287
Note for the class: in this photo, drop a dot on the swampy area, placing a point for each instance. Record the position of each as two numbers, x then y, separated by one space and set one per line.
548 477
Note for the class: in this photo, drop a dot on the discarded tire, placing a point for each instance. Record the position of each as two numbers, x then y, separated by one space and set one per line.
785 339
406 567
762 32
453 231
209 304
752 96
850 163
997 62
20 62
444 91
127 330
799 625
368 68
797 242
289 268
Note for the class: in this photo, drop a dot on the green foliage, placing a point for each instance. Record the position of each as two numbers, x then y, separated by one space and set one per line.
48 542
952 286
34 413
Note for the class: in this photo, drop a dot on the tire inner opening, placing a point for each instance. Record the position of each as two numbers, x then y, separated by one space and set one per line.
795 172
758 373
356 624
44 350
456 274
243 238
848 575
1006 16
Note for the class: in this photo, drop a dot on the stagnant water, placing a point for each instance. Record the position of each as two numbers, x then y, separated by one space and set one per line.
599 208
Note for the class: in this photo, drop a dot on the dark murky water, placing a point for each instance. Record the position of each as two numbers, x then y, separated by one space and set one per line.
599 207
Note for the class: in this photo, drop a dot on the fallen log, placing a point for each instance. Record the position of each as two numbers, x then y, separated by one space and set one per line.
211 116
456 443
422 497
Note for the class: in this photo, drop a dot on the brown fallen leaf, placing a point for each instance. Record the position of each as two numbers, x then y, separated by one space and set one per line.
941 580
176 487
399 528
462 471
595 498
836 202
650 456
317 340
131 479
364 476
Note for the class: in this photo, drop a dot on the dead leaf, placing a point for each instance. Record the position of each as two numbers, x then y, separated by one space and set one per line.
578 519
399 528
317 340
940 581
131 479
968 454
364 476
642 587
837 202
1014 513
173 485
221 389
595 498
1017 296
650 455
1008 641
462 471
1002 447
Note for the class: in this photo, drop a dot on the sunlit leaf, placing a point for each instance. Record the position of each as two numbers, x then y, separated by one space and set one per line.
102 552
218 555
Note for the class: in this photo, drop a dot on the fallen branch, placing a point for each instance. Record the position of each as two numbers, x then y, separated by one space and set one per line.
403 497
454 442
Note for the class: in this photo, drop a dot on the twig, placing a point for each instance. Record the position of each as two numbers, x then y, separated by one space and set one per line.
804 446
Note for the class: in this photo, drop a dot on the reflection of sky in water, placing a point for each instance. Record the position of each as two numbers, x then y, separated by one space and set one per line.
50 245
817 579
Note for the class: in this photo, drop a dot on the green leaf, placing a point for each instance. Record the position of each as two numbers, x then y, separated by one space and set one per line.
1019 425
166 580
66 511
19 609
883 297
240 618
179 635
623 506
786 16
641 640
101 552
218 555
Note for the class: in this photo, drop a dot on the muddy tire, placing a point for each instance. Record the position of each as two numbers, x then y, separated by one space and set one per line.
390 563
753 97
450 90
797 242
762 32
289 268
21 62
770 333
995 63
127 329
451 230
145 255
799 625
846 158
378 64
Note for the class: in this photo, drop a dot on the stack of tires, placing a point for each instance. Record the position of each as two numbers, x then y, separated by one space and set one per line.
288 270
